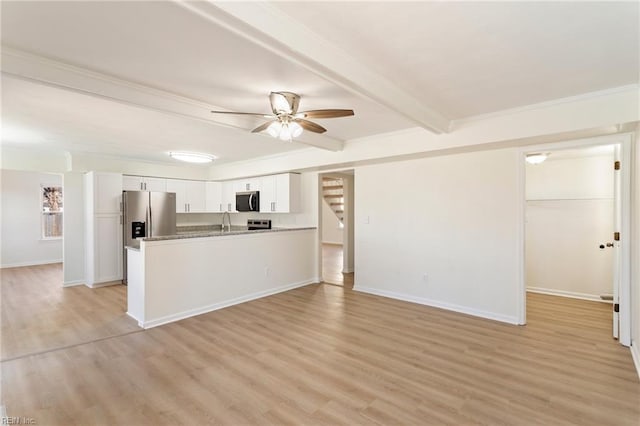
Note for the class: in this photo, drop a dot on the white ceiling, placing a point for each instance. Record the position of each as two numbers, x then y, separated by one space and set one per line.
458 59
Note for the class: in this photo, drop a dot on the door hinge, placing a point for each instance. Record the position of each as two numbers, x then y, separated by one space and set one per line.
616 236
616 165
616 307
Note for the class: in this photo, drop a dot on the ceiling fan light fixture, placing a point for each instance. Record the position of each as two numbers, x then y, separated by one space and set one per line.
296 129
274 129
536 158
192 157
285 133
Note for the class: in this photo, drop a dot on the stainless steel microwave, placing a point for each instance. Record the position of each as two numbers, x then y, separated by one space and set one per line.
248 201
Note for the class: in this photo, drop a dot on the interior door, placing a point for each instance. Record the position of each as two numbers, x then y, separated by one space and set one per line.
617 224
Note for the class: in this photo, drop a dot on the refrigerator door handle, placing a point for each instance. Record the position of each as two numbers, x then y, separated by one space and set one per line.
149 223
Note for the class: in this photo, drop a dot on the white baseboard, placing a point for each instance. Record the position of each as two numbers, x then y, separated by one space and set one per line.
336 243
571 294
347 271
635 354
438 304
72 283
137 320
104 284
30 263
215 306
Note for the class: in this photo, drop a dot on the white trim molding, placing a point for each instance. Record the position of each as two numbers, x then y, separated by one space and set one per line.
30 263
215 306
72 283
438 304
570 294
635 354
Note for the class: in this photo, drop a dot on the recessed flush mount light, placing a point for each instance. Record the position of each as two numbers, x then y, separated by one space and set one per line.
192 157
536 158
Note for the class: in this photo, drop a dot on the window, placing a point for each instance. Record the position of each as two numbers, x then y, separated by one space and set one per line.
51 197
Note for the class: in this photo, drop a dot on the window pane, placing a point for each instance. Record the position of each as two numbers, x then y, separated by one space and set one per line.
52 225
51 199
51 211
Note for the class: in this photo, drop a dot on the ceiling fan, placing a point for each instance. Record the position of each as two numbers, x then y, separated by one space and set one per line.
286 122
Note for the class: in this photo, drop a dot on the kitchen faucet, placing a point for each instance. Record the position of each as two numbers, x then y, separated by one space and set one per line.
223 216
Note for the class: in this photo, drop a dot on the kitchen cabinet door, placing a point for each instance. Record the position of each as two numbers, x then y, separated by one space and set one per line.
196 194
268 194
213 197
180 188
228 196
154 184
105 191
132 183
108 248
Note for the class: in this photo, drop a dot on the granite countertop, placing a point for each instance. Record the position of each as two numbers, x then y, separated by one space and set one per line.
184 232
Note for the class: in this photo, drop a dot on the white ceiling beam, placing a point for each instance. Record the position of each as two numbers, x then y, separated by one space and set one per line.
276 31
41 70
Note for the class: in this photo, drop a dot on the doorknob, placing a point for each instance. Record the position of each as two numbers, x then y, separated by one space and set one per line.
608 245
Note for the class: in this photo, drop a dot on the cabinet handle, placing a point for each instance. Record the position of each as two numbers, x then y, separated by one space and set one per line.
273 206
145 186
220 206
248 186
120 219
229 207
141 186
189 207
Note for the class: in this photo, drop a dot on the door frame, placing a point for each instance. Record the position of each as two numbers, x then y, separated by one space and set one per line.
624 140
348 232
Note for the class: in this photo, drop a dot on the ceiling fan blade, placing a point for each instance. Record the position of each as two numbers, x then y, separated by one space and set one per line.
310 125
284 102
255 114
263 126
325 113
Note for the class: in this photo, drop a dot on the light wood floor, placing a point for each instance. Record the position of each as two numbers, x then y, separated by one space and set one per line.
38 314
332 266
324 354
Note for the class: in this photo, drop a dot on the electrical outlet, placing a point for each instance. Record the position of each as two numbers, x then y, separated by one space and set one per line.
425 277
367 220
267 271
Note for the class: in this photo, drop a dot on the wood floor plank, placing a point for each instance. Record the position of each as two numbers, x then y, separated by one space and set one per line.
319 355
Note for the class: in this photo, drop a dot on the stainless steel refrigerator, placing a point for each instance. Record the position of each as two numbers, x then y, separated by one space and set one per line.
146 214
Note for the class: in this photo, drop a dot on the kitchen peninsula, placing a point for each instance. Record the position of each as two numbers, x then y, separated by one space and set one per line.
179 276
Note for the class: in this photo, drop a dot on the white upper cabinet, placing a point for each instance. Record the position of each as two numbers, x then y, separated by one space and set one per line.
154 184
105 190
180 189
140 183
190 195
244 185
280 193
196 195
213 197
132 183
229 196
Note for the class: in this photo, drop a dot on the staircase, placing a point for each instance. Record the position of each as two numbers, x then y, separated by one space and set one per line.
333 193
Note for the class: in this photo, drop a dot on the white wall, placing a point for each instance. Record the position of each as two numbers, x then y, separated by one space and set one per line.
73 244
331 225
569 213
22 242
460 228
635 253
